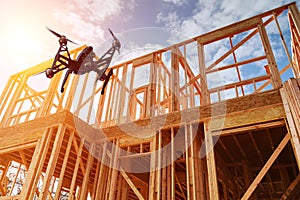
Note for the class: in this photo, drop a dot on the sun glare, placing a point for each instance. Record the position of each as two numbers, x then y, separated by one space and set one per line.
24 39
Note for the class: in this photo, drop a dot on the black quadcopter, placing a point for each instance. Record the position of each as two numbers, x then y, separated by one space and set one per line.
85 61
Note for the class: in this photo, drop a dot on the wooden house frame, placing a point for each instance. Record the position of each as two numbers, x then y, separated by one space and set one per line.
180 134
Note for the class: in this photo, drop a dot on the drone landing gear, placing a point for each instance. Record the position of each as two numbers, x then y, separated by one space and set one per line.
65 80
110 73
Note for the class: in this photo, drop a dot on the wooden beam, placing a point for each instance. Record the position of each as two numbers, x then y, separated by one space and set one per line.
266 167
267 104
295 16
291 127
158 167
172 165
64 165
52 161
175 85
204 95
20 147
187 162
230 30
78 159
211 165
86 178
276 79
24 160
153 168
131 184
291 188
101 179
114 174
36 164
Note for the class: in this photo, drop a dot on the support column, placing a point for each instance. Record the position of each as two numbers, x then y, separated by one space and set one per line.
153 168
101 178
175 105
63 168
211 164
36 165
52 161
151 94
204 96
276 80
291 103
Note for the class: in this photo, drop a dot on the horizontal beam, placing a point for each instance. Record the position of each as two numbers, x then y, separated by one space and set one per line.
249 127
7 149
31 131
264 104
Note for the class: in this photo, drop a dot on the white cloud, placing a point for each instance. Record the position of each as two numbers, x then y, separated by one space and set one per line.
214 14
171 20
176 2
86 18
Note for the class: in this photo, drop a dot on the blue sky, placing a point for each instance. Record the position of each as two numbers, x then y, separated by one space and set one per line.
25 42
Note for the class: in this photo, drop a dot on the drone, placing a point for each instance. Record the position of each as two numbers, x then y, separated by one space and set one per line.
84 62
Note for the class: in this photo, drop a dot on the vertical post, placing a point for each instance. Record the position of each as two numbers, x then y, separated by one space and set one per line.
36 165
175 86
70 97
131 91
89 164
291 126
204 96
52 161
151 94
172 165
158 170
63 168
211 164
114 175
4 172
122 95
193 166
276 80
78 159
101 180
152 168
285 46
13 100
7 91
294 12
294 15
187 163
46 107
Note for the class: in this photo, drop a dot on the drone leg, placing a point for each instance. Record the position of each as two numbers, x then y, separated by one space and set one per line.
64 81
110 73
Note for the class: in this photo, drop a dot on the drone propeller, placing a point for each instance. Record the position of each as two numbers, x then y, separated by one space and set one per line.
112 34
61 37
116 42
40 73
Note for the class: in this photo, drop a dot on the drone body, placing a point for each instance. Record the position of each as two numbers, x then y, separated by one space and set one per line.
84 63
